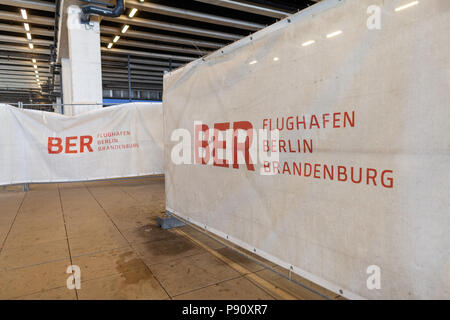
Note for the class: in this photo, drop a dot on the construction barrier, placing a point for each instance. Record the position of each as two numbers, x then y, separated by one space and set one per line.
115 142
352 191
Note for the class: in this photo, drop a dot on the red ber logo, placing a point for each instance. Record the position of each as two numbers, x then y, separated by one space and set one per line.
56 145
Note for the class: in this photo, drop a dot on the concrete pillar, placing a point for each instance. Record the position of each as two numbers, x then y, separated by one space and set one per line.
57 106
82 75
66 86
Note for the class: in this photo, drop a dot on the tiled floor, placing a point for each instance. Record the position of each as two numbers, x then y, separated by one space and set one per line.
109 230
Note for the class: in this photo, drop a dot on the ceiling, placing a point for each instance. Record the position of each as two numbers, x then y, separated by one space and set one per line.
161 35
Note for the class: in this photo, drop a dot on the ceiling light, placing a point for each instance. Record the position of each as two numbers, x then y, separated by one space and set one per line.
406 6
110 45
132 12
24 14
334 34
116 38
31 45
253 62
33 60
125 28
276 59
308 43
35 66
27 26
35 71
28 36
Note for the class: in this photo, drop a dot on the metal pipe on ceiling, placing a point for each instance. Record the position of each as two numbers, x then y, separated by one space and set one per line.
248 7
23 55
16 17
148 54
163 38
193 15
21 77
155 24
140 67
17 91
119 65
38 5
139 61
30 73
19 81
24 73
20 68
124 71
20 29
136 68
13 39
125 76
23 49
161 47
120 69
27 62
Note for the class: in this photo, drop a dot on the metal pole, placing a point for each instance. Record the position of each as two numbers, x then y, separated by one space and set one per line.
129 79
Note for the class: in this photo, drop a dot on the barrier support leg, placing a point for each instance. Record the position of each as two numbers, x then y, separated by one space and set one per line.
169 222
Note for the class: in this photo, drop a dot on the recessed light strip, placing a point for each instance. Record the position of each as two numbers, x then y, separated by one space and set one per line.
24 14
132 12
125 28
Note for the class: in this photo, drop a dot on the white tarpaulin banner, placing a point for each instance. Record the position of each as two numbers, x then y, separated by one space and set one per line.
358 199
114 142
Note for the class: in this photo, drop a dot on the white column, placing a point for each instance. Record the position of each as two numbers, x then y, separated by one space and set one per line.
85 62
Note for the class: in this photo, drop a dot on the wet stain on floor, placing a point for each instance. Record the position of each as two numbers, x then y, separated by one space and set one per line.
131 268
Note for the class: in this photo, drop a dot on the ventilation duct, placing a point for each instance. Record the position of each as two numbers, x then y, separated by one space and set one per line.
107 11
